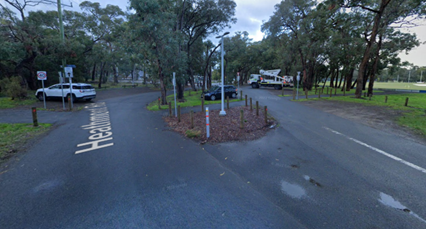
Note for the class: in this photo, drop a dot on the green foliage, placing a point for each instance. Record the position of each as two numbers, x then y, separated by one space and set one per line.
14 136
193 133
13 87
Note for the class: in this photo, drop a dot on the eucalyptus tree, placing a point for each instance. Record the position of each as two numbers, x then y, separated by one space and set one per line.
197 19
302 27
154 23
375 12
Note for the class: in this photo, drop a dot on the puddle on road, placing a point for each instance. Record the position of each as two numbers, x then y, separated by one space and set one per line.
293 190
389 201
46 186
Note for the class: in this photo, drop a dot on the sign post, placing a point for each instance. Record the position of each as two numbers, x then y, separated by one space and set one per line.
69 75
238 81
174 91
41 75
61 80
298 79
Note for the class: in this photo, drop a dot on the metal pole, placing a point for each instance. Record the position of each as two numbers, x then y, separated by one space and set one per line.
174 88
62 89
409 75
222 112
61 27
44 96
71 100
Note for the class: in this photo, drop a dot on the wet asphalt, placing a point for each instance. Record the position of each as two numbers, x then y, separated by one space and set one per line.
315 170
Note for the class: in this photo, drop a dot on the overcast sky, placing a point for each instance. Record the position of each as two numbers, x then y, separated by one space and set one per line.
251 14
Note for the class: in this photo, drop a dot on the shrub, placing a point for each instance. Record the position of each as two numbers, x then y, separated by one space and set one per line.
12 87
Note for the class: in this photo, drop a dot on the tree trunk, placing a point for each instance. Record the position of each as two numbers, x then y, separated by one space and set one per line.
349 77
362 66
375 65
101 75
162 85
115 68
94 72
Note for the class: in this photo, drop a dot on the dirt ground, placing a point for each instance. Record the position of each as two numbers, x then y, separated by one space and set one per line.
377 117
254 126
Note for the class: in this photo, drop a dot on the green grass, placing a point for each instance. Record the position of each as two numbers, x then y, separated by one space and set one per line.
6 102
414 117
406 86
190 101
323 92
14 136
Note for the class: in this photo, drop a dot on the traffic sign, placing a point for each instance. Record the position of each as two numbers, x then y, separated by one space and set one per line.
41 75
68 72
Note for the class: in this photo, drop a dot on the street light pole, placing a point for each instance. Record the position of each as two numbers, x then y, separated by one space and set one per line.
222 112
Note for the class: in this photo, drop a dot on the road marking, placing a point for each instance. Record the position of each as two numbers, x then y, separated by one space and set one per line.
99 127
380 151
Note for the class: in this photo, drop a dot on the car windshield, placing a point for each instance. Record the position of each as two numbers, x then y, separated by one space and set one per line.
214 88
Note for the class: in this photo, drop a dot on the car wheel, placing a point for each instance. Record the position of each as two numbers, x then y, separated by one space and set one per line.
212 98
88 100
253 85
40 96
234 95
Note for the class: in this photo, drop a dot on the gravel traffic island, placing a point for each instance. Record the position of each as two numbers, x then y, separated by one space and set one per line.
223 128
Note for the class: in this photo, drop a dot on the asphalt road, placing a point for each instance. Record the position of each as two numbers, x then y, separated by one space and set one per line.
315 170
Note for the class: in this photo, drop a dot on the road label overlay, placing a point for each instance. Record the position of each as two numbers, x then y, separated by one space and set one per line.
99 127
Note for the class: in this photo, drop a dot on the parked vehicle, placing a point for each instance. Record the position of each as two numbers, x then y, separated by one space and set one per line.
216 92
79 91
270 78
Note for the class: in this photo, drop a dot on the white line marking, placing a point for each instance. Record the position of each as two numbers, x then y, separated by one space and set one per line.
380 151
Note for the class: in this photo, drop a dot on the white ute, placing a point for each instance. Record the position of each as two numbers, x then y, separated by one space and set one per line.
270 78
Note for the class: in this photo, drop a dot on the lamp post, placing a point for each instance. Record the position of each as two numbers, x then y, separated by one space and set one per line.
222 112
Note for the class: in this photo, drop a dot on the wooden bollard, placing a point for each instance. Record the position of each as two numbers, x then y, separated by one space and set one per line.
69 103
202 104
282 91
227 102
406 101
159 107
34 111
327 90
306 93
335 91
369 97
365 94
170 109
246 100
331 92
257 108
241 95
192 119
294 94
241 119
319 94
386 99
178 113
251 105
266 115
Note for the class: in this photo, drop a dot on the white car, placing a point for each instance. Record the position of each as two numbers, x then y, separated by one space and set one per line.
80 91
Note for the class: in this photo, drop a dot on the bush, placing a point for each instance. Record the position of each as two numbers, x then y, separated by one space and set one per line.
12 87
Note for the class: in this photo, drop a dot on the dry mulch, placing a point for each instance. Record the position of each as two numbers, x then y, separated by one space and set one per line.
223 128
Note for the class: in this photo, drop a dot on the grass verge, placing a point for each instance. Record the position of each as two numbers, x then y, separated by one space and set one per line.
414 117
14 136
6 102
324 92
191 98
